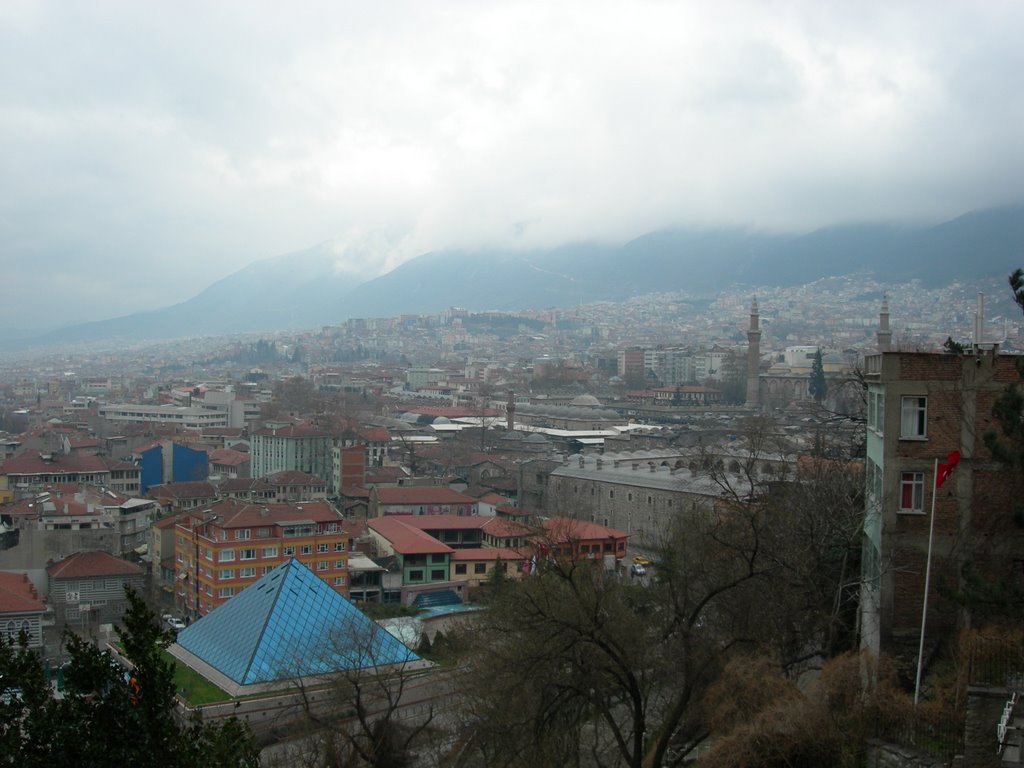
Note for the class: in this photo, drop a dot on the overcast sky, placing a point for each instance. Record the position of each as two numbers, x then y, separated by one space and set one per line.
148 149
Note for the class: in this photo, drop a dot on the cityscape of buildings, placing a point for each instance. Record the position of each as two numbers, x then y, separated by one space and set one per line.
413 460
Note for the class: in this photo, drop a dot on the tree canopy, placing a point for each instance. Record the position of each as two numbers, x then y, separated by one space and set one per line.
109 714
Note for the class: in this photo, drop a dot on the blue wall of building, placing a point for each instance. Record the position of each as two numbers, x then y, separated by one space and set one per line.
189 464
151 467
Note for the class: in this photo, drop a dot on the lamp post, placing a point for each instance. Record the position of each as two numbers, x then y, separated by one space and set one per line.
205 521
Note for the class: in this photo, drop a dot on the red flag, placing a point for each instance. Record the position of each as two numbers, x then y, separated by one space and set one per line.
943 471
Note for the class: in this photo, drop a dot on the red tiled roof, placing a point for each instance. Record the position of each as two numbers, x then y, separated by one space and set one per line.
33 464
422 494
406 539
384 474
18 595
443 522
228 457
238 514
84 442
562 529
499 527
376 434
293 477
87 564
193 489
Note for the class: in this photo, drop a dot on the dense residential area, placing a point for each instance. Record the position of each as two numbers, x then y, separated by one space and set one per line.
548 554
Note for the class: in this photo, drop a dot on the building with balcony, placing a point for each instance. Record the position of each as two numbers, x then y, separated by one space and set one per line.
225 547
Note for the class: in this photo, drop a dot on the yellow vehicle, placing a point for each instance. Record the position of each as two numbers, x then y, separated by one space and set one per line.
641 560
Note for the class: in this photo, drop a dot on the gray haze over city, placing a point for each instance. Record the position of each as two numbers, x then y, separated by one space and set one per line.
151 149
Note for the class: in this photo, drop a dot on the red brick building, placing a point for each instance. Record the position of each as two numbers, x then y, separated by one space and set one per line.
224 548
922 406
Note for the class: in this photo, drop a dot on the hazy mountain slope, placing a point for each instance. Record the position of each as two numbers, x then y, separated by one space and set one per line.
981 244
295 290
304 290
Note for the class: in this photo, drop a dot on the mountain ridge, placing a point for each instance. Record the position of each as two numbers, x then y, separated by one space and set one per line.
304 289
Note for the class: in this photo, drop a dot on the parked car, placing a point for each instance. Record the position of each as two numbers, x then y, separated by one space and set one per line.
641 560
637 570
173 622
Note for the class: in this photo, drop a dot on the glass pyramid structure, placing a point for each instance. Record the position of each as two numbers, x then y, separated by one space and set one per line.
290 624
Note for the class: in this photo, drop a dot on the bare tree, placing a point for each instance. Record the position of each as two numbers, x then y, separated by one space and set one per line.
370 708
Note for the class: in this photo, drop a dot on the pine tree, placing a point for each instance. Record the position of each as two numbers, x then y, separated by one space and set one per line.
818 387
110 715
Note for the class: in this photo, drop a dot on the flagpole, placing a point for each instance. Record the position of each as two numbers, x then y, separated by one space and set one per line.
927 578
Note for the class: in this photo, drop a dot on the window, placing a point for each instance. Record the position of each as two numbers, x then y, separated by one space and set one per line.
339 563
460 569
479 568
322 565
226 556
246 573
289 550
225 592
416 575
913 418
242 533
438 574
437 558
912 492
270 552
247 554
339 581
306 549
226 573
876 410
339 546
321 547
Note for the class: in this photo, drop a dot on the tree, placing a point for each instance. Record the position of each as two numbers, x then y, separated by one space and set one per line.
817 387
110 715
993 596
576 660
357 708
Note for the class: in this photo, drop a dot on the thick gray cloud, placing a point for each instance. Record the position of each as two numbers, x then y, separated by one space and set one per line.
148 149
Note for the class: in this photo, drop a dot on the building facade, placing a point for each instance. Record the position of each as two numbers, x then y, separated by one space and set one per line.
227 546
921 407
304 448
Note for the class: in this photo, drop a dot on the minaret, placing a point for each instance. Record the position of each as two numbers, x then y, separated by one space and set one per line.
510 411
884 335
754 357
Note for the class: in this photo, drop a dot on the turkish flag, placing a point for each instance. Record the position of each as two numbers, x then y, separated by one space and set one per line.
945 470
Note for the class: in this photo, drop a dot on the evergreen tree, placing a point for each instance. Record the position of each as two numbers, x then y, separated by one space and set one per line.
109 715
818 387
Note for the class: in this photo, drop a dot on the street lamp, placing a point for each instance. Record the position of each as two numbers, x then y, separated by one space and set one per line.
205 521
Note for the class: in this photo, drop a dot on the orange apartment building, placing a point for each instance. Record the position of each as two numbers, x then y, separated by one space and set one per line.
223 548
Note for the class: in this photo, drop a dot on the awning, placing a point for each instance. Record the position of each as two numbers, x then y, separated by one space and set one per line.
142 549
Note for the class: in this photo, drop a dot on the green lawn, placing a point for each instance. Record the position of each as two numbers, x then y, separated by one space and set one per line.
197 689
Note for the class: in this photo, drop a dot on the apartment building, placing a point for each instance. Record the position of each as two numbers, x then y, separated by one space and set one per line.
222 549
301 447
921 407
